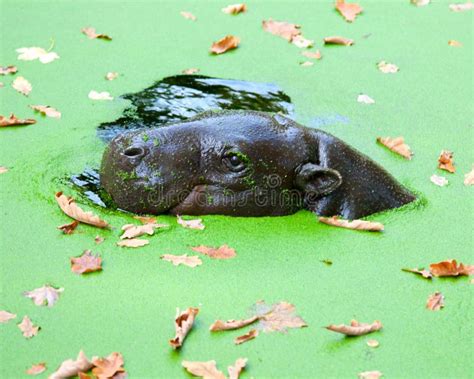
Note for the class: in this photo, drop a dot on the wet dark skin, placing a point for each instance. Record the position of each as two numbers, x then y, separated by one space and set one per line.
244 163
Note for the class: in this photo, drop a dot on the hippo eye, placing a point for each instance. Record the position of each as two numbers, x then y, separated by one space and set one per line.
235 161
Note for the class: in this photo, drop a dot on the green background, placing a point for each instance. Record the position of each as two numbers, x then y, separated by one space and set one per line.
129 307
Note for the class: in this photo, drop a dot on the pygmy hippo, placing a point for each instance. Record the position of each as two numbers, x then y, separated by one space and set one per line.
244 163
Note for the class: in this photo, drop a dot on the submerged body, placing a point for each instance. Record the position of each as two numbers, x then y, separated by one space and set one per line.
244 163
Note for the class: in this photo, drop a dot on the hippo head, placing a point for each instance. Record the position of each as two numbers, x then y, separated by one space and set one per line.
244 163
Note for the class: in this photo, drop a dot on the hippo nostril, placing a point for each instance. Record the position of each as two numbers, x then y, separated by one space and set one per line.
134 151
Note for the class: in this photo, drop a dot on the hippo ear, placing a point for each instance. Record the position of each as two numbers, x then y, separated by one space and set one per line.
315 180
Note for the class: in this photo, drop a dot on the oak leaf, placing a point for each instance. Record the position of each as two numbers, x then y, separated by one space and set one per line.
220 325
302 42
469 178
72 367
22 85
108 367
69 207
188 15
111 75
6 316
45 295
435 301
15 121
190 71
191 224
94 95
454 43
87 262
133 242
348 10
225 44
278 317
5 70
387 68
33 53
338 40
235 8
440 181
424 273
397 145
446 161
312 54
370 375
235 370
183 324
91 34
36 369
28 329
461 7
132 231
365 99
69 228
177 260
222 252
282 29
451 268
253 333
370 226
355 328
206 370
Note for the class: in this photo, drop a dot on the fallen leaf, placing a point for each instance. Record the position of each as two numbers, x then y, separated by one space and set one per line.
461 7
435 301
222 252
69 228
337 40
306 64
111 75
206 370
3 170
365 99
451 268
370 375
355 328
22 85
370 226
14 121
134 242
72 367
310 54
439 180
282 29
190 71
348 10
36 369
46 110
302 42
397 145
27 328
33 53
69 207
446 162
387 68
420 3
145 219
235 9
132 231
87 262
469 178
246 337
183 324
94 95
373 343
279 317
454 43
220 325
225 44
5 70
45 295
98 240
188 16
91 34
107 367
235 370
6 316
424 273
191 224
177 260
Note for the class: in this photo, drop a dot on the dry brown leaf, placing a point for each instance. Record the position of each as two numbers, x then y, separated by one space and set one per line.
435 301
387 68
14 121
302 42
36 369
5 70
46 110
370 375
134 242
307 64
355 328
69 207
220 325
235 370
98 240
397 145
87 262
446 161
132 231
69 228
6 316
282 29
469 178
279 317
91 34
72 367
225 44
461 7
190 71
338 40
222 252
183 324
235 9
188 15
373 343
420 3
3 170
424 273
191 224
440 181
28 329
33 53
107 367
253 333
177 260
312 54
454 43
22 85
45 295
370 226
111 75
145 219
451 268
348 10
94 95
206 370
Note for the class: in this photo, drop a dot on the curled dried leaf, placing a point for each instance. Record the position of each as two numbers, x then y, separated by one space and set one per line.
435 301
469 178
15 121
424 273
461 7
451 268
282 29
22 85
6 316
188 15
5 70
87 262
370 375
111 75
370 226
183 324
222 252
225 44
46 295
348 10
446 161
302 42
387 68
177 260
46 110
108 367
72 367
133 242
338 40
312 54
454 43
355 328
440 181
206 370
69 228
235 9
27 327
36 369
307 64
191 224
91 34
397 145
220 325
132 231
69 207
235 370
190 71
253 333
94 95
